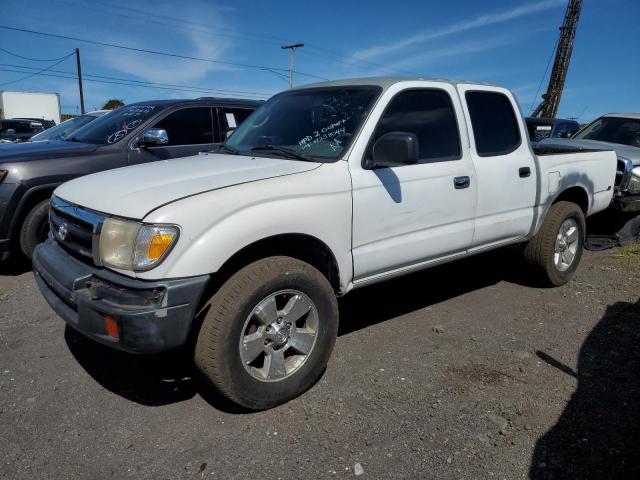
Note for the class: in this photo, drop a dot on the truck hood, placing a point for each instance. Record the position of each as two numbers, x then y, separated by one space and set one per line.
24 152
626 151
135 191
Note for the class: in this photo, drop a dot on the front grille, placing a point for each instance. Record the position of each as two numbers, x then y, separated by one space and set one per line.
623 174
75 228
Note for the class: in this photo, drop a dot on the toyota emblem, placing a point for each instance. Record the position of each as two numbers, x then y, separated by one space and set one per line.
63 231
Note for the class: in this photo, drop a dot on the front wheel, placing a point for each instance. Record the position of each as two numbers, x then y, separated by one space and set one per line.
555 251
268 333
35 228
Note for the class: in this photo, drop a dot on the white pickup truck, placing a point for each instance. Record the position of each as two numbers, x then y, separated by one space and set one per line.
240 253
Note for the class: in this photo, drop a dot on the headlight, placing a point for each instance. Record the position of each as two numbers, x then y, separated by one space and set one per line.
634 181
129 245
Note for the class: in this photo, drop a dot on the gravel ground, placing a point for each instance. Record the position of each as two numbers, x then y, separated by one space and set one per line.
463 371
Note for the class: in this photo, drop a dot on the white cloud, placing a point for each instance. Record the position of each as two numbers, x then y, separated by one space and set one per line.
477 22
156 68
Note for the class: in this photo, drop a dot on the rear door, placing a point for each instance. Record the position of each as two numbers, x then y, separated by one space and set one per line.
190 130
505 166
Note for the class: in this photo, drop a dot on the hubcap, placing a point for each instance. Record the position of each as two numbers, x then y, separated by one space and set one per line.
279 335
567 242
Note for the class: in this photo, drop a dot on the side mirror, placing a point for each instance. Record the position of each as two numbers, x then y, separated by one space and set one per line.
393 150
153 137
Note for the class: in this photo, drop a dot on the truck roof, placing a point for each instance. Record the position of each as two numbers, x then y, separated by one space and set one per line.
386 82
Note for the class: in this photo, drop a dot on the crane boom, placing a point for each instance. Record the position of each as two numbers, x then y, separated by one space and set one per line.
551 99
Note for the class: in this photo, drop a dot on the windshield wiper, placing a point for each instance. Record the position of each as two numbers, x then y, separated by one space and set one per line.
287 151
228 149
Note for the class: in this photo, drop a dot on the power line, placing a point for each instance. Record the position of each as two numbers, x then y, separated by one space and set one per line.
70 76
154 52
147 83
544 75
33 59
38 72
318 51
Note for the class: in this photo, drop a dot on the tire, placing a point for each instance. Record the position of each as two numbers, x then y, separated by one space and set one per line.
35 228
242 310
544 252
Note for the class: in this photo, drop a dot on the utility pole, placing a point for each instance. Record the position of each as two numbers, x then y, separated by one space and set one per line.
80 81
291 48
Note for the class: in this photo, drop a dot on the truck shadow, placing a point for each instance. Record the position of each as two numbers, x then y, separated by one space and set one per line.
598 433
171 377
151 380
364 307
14 267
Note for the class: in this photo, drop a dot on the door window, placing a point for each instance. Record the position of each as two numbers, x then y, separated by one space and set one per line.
428 114
494 123
188 126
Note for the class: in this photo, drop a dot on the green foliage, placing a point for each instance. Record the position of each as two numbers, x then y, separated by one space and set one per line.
112 104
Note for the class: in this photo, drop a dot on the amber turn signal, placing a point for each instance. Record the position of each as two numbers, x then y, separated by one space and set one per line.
111 325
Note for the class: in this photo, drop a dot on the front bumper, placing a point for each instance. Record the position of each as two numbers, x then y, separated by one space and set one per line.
152 316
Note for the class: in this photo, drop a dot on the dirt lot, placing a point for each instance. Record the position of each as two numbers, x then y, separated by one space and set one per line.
464 371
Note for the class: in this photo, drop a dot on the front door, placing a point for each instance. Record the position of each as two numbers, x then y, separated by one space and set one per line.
190 130
412 214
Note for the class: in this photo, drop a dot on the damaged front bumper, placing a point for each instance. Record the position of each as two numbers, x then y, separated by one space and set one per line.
133 315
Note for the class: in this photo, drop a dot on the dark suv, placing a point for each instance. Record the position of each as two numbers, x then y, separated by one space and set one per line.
19 129
137 133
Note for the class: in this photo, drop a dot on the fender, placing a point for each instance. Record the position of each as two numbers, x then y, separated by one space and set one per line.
216 225
19 210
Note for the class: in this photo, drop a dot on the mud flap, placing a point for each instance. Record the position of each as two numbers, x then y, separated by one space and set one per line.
611 228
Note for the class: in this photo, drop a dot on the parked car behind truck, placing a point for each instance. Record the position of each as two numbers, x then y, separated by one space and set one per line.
324 189
619 132
137 133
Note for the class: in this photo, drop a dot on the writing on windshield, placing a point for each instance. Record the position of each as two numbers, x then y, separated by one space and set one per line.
319 123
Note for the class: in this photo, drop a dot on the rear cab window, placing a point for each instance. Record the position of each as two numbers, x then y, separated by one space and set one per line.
494 123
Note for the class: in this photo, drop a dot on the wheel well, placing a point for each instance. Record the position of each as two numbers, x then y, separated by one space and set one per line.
31 201
301 246
576 195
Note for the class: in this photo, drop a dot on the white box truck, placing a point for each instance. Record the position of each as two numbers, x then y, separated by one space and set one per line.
44 106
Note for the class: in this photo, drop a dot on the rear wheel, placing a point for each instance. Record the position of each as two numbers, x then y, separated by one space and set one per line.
268 332
35 228
555 251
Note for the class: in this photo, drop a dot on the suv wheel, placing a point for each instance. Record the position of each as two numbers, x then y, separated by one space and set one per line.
268 332
35 228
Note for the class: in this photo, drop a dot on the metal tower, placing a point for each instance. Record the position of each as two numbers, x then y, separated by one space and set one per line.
551 99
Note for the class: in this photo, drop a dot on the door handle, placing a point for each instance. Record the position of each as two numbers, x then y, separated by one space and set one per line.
524 172
461 182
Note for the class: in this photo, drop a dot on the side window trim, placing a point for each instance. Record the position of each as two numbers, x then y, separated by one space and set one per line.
515 121
451 158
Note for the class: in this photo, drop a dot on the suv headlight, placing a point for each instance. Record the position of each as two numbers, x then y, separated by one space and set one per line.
130 245
634 181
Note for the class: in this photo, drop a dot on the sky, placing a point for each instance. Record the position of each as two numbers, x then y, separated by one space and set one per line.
510 43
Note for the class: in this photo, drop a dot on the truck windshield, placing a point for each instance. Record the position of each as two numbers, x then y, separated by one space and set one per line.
625 131
115 125
316 123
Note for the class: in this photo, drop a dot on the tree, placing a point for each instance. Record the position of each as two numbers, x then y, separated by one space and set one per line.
112 104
